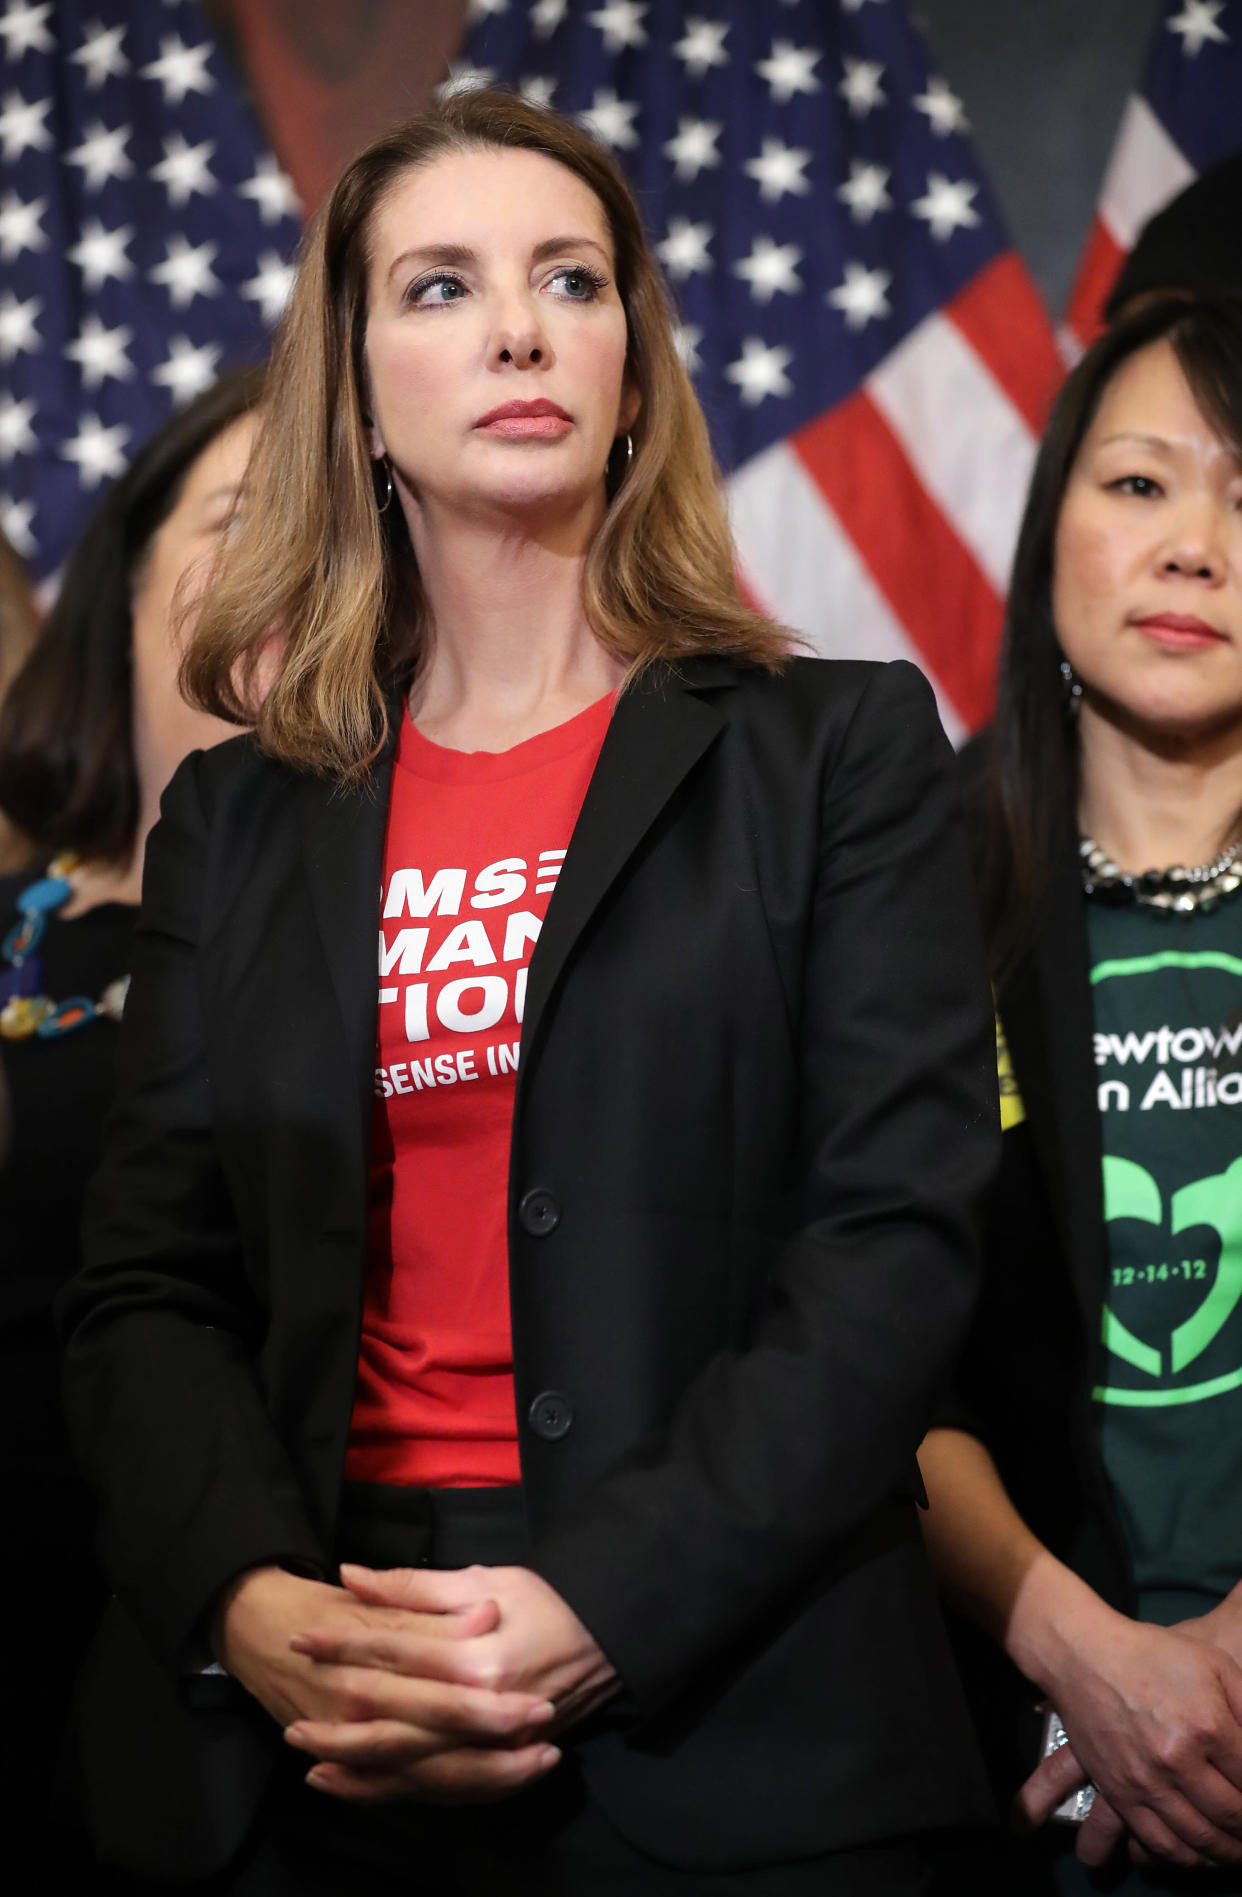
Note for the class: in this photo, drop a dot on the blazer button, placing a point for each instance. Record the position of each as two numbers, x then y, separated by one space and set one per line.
539 1213
550 1416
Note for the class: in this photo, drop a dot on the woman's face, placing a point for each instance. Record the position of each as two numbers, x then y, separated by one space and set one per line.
495 341
186 541
1147 586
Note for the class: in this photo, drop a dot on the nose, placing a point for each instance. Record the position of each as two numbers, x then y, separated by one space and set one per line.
1195 548
518 338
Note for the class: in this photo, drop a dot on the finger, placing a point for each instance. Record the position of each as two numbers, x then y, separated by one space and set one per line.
464 1711
426 1590
470 1776
391 1650
1100 1833
1174 1830
1050 1783
392 1744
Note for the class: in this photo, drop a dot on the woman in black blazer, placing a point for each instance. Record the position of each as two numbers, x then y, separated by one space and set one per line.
754 1107
1086 1499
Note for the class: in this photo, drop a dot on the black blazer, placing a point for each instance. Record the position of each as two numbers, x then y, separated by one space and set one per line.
1024 1384
755 1108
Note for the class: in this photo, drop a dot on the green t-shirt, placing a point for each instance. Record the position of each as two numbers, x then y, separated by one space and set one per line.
1167 996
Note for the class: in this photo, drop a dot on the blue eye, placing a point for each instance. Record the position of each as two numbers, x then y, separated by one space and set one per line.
452 290
579 284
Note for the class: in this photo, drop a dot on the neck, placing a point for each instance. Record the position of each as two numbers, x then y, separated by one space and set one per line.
1153 801
510 652
95 882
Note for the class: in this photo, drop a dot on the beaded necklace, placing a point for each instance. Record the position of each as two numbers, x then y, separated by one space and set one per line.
25 1011
1178 889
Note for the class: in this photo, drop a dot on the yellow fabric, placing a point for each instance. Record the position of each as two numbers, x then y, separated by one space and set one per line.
1012 1111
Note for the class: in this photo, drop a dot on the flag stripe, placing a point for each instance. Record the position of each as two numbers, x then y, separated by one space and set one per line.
1097 274
923 389
1145 171
1002 318
929 578
800 566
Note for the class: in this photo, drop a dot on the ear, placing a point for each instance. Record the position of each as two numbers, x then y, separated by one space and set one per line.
631 402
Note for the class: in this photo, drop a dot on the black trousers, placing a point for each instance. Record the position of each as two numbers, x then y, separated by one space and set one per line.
551 1840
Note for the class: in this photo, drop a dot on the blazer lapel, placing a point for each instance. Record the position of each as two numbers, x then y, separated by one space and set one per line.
1048 1022
343 849
658 732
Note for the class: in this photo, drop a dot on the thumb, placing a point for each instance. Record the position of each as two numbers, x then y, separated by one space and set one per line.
421 1590
1052 1780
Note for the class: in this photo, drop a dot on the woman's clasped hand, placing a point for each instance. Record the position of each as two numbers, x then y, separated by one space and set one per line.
406 1683
1154 1718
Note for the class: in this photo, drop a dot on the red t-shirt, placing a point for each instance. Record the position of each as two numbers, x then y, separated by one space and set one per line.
474 846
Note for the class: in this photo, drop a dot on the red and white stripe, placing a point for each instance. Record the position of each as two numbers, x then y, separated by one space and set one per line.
1145 171
885 528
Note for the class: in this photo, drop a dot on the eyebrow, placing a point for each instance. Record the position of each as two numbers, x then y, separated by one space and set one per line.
1158 444
461 254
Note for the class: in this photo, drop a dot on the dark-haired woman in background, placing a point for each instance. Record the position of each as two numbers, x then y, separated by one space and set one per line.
90 732
19 622
1087 1506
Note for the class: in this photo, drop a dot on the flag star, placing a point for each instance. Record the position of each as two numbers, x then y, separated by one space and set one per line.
16 434
610 120
181 69
24 29
98 451
539 90
760 371
546 16
862 296
861 88
621 23
484 9
947 206
865 191
101 155
100 352
186 271
21 125
15 520
686 249
18 335
686 340
694 148
702 46
100 55
100 254
20 226
1198 22
943 108
463 77
272 190
270 288
184 169
778 169
187 371
789 69
770 267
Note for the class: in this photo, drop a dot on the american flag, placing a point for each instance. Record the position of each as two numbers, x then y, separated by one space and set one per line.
145 238
873 359
1185 116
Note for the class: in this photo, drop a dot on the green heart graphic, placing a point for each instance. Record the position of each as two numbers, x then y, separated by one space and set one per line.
1130 1192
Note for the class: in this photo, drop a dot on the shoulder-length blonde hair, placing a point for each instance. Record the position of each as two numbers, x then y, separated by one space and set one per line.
318 606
